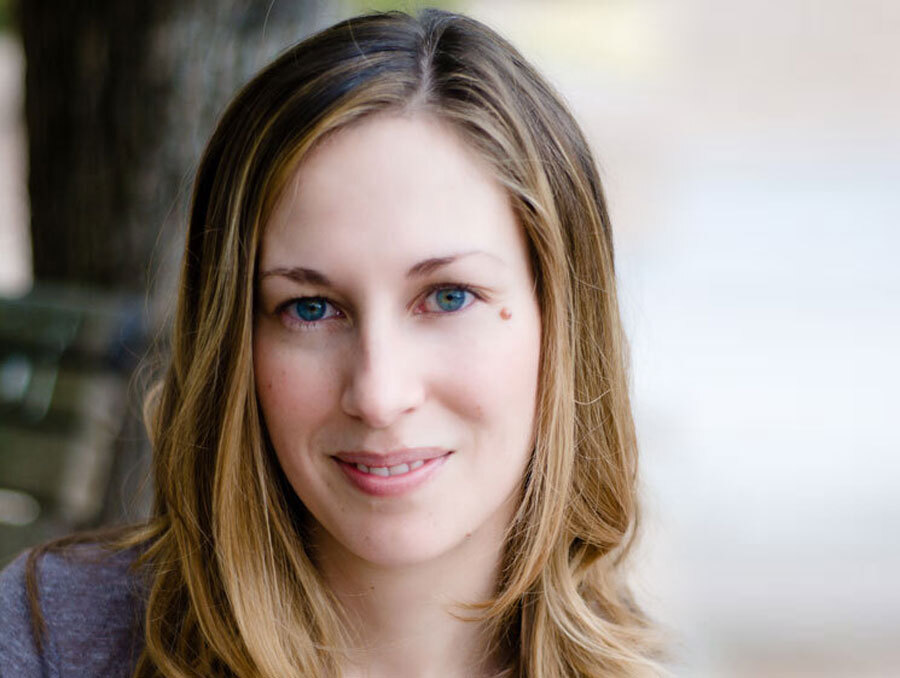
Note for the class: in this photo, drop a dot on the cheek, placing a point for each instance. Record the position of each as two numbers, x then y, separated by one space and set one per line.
495 381
294 392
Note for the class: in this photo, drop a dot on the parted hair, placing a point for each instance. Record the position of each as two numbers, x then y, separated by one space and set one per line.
232 589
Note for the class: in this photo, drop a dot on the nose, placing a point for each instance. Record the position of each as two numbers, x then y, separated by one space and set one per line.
383 379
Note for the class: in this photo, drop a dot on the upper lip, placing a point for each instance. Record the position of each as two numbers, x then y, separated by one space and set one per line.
391 457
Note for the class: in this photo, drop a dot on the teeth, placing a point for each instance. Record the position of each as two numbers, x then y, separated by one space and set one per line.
397 470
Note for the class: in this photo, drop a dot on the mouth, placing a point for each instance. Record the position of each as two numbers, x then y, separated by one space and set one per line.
392 459
391 474
390 471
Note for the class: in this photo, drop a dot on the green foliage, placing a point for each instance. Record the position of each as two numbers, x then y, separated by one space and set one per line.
361 6
6 12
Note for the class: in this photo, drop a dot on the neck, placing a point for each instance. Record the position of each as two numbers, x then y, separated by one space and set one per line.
402 617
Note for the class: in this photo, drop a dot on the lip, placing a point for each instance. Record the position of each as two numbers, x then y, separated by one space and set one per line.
391 486
393 457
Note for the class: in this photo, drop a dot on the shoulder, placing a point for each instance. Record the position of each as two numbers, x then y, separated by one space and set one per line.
17 650
92 606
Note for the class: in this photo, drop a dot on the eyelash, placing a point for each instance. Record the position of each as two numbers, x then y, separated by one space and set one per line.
283 309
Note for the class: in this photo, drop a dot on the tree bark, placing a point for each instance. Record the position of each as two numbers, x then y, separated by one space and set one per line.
120 98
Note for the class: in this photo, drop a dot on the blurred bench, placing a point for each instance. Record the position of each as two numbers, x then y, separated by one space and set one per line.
66 358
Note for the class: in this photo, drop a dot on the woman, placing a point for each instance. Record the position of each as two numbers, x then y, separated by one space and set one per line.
394 438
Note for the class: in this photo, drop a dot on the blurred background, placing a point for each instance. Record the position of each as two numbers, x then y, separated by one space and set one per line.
750 156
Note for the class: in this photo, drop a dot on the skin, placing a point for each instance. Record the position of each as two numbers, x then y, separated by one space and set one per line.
388 366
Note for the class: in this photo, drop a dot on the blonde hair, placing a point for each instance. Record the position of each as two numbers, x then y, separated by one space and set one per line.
232 590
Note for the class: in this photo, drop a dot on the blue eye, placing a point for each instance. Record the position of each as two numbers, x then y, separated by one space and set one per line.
449 299
311 312
309 309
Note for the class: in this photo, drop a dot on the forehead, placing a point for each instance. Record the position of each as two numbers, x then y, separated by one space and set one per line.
394 184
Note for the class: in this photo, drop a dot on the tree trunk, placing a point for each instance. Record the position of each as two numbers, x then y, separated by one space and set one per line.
120 98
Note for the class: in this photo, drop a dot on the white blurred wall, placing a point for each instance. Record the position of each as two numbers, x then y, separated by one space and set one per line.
751 154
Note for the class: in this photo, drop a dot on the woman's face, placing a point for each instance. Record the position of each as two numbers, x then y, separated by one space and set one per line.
397 342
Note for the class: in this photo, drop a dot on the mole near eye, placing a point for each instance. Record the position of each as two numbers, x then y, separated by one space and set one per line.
505 313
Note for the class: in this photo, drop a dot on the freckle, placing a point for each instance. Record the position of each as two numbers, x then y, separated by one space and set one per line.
505 313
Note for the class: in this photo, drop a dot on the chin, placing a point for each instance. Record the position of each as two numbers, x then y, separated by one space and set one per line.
398 551
393 546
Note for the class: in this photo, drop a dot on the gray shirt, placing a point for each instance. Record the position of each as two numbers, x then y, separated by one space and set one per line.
92 606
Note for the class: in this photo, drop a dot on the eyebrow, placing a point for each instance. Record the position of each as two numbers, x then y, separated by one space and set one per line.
311 276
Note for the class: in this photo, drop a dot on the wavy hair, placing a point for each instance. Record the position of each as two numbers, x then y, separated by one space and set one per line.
232 587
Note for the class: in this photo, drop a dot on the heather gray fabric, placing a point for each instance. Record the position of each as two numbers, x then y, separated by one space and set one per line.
92 605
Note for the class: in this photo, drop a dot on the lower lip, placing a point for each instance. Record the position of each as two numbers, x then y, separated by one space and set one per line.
391 486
